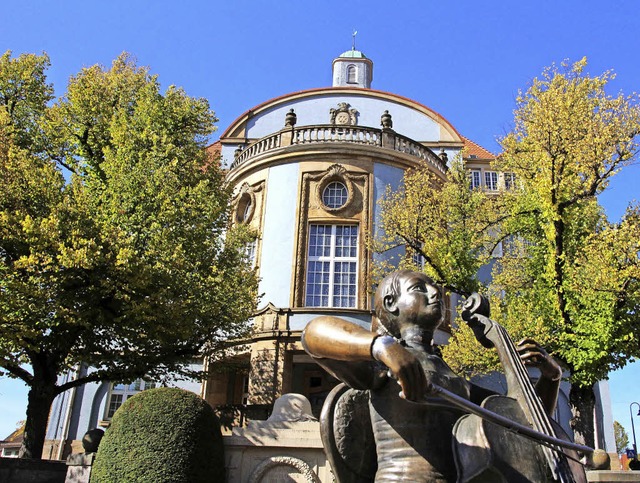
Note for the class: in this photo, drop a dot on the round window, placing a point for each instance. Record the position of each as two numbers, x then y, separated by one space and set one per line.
247 211
335 195
245 208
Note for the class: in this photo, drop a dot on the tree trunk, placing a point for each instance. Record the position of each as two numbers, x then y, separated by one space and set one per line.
39 404
42 391
583 401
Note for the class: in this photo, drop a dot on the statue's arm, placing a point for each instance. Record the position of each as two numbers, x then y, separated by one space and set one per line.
336 338
345 350
342 348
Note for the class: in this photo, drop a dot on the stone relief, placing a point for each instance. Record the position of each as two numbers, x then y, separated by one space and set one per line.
344 115
271 470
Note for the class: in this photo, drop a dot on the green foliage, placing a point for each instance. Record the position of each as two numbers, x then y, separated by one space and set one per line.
577 272
568 276
621 436
450 231
115 247
161 435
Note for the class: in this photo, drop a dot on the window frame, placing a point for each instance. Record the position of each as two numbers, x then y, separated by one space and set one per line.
127 391
511 184
352 74
334 262
491 180
475 178
330 193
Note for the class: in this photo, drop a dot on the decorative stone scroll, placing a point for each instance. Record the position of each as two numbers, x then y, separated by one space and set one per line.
268 469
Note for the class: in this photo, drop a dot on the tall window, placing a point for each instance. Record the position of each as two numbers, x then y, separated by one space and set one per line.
416 257
474 179
121 392
491 180
332 266
351 75
250 252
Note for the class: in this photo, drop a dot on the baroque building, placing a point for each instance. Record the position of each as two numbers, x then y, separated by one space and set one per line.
308 169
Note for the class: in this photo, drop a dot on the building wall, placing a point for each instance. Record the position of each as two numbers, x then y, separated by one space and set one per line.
409 118
283 190
278 235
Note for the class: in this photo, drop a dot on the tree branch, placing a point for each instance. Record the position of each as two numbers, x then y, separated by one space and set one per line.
18 372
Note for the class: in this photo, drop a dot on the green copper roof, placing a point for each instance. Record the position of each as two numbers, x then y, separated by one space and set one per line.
353 54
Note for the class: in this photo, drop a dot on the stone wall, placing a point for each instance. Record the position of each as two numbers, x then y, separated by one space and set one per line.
17 470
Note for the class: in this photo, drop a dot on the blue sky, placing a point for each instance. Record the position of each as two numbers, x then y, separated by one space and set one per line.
464 59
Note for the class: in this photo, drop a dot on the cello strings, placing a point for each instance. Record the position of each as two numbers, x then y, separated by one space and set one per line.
539 417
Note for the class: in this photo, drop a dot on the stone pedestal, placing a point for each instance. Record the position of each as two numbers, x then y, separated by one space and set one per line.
286 447
265 451
79 467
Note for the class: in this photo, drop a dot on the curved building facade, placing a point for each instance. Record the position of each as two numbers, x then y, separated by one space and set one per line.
308 170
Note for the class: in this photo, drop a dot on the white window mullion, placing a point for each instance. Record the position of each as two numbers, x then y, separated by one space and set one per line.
332 264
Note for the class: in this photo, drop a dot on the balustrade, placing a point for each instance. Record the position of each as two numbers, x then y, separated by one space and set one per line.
327 134
339 134
263 145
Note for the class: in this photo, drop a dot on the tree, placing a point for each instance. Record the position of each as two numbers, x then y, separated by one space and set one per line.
447 227
578 274
568 276
115 246
622 438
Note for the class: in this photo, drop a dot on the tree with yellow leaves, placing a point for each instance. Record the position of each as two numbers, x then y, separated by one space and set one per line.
568 276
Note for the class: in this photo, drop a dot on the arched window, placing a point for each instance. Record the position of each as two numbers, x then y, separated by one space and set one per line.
351 74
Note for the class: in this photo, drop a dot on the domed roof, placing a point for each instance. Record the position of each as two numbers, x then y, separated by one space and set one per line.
352 54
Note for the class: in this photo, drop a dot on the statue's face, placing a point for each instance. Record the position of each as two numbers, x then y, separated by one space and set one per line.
419 302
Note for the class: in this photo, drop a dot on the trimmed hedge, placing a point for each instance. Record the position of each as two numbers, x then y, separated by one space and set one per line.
161 435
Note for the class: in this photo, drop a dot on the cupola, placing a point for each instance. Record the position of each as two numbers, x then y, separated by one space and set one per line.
352 69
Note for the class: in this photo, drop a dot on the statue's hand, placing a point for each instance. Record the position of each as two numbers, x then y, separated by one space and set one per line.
532 354
405 368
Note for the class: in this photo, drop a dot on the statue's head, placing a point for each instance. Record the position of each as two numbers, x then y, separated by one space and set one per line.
406 299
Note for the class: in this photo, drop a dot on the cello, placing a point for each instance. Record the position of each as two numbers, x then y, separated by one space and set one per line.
486 452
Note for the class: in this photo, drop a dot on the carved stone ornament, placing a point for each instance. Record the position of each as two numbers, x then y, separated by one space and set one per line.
344 115
245 202
261 473
386 121
270 318
290 119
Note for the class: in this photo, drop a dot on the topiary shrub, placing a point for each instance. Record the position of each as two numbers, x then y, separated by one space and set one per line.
161 435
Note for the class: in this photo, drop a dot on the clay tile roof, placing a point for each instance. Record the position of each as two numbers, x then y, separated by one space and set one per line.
475 150
215 148
213 153
16 437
